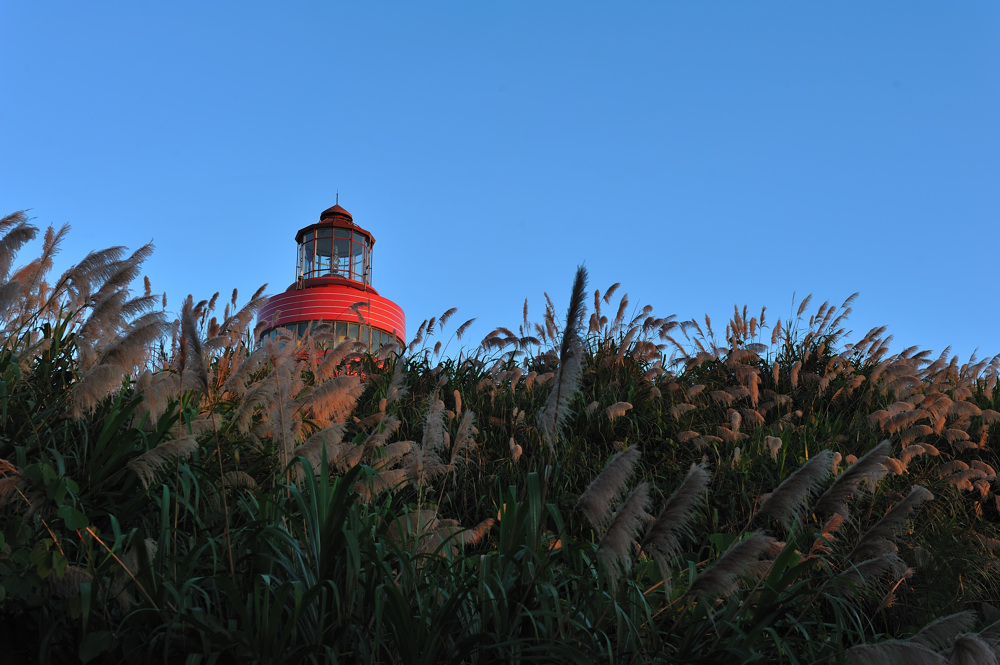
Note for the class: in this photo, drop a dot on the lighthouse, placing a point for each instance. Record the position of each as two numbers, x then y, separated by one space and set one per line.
333 284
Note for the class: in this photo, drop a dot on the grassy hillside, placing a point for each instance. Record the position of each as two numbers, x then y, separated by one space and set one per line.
604 486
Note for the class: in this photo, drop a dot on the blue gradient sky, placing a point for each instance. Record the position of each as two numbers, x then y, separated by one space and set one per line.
702 154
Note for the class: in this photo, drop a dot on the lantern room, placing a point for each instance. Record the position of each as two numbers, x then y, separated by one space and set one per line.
335 246
333 284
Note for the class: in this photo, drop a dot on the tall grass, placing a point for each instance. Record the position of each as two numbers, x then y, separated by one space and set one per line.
605 486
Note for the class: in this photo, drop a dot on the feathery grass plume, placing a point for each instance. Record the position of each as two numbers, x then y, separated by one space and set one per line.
10 294
193 362
984 467
992 631
786 503
424 465
894 466
722 397
705 440
17 233
719 579
622 535
752 417
392 453
597 500
384 427
411 526
941 633
804 304
260 394
125 349
329 437
990 417
729 435
474 535
973 650
234 325
435 437
694 390
862 574
893 653
464 437
66 584
382 481
552 416
463 328
951 467
687 435
964 480
773 444
794 375
334 399
610 292
239 480
515 450
663 539
617 410
680 409
913 433
147 465
868 468
880 537
396 389
822 544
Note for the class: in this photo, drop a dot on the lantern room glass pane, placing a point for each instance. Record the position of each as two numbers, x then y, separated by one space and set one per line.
341 331
307 250
342 257
324 251
353 332
358 259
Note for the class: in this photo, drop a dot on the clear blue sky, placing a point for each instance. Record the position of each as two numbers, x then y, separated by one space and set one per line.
702 154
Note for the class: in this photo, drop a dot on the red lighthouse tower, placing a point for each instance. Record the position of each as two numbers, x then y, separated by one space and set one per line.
334 272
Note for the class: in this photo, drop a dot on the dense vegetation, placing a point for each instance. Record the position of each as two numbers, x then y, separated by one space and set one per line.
564 493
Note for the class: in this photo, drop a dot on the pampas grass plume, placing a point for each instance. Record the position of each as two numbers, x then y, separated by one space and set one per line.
788 500
620 539
869 468
596 501
773 445
718 580
617 410
149 463
663 540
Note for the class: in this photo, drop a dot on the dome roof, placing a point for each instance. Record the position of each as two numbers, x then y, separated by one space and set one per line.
335 211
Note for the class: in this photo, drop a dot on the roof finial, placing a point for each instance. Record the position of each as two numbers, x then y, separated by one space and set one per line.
338 196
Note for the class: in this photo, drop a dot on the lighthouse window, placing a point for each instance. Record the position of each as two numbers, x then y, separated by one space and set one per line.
358 259
308 254
342 256
324 251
